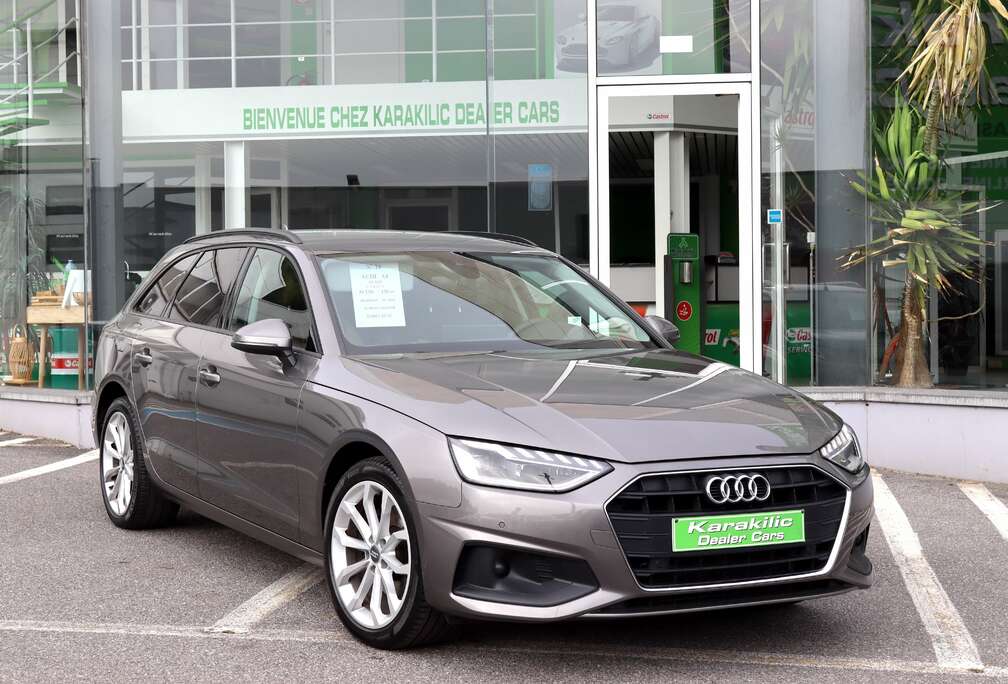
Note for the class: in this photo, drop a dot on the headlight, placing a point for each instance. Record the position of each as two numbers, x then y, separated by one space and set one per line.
844 450
613 40
498 465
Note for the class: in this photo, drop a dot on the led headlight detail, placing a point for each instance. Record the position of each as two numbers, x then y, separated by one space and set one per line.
499 465
844 450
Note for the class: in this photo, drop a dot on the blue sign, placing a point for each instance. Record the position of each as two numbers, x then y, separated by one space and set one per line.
774 216
540 187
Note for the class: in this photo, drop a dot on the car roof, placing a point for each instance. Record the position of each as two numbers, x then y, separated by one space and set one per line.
365 240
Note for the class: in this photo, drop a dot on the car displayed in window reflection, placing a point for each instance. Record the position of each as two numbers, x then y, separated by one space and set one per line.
628 34
460 426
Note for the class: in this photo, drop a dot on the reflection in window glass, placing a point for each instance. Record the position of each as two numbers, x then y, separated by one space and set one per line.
272 289
209 73
446 301
161 12
199 301
814 124
539 126
208 41
262 10
642 37
162 42
161 292
208 11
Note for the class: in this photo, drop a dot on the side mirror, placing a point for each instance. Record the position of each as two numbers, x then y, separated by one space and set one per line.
269 336
664 327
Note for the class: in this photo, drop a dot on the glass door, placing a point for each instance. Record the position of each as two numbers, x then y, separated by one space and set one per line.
675 211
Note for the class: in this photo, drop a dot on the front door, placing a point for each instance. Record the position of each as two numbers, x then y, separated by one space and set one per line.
247 413
675 211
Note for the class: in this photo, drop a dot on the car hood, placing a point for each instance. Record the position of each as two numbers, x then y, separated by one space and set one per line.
630 407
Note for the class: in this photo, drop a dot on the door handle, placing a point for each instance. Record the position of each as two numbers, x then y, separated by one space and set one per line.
144 358
208 377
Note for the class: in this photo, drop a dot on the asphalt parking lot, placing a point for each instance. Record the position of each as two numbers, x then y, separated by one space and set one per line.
83 600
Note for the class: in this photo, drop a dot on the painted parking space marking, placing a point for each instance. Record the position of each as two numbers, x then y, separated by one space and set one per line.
16 441
989 505
50 467
953 645
287 588
658 654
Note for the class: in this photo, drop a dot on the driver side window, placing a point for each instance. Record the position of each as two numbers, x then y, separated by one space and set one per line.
271 288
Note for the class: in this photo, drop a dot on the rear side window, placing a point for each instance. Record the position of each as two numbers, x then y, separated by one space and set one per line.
271 288
201 298
164 288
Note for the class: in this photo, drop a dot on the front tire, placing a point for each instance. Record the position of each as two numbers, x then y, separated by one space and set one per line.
373 561
131 500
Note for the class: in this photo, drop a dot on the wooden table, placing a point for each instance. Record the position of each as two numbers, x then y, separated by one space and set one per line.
72 316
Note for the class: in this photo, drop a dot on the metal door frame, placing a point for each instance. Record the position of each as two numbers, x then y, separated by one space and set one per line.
750 251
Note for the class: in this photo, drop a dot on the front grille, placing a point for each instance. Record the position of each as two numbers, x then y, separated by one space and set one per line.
642 516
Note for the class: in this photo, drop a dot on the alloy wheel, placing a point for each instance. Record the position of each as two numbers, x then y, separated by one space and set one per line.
117 464
370 550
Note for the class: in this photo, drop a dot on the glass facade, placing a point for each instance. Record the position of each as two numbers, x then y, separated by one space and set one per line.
887 266
140 123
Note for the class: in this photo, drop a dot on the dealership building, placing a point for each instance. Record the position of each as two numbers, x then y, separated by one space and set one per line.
701 157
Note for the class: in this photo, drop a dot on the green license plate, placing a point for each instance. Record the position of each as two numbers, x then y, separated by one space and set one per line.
712 532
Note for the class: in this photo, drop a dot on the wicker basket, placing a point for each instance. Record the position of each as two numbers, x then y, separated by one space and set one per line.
21 357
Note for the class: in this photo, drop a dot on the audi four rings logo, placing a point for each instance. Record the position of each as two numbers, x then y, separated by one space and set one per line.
738 488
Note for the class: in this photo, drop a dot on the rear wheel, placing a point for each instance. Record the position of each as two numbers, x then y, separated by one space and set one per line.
131 500
373 562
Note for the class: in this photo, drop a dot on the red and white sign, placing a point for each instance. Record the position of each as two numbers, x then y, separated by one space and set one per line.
684 310
67 364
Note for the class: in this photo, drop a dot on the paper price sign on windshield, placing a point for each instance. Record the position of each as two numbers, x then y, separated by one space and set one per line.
377 296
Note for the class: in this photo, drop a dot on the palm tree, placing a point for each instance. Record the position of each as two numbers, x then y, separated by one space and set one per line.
922 223
948 67
922 230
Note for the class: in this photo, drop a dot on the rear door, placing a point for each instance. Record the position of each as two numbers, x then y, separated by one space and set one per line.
247 408
164 358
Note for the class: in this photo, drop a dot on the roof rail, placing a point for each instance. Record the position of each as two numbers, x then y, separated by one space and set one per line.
494 236
283 235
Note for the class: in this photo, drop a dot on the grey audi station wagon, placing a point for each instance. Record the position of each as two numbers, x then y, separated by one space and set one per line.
461 426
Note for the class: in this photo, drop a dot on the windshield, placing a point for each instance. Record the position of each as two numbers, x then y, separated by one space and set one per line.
448 301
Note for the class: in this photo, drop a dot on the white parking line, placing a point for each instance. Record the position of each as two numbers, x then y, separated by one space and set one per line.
660 653
953 645
990 505
50 467
287 588
16 441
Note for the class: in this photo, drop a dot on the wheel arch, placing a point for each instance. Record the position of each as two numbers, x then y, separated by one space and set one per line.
110 390
352 447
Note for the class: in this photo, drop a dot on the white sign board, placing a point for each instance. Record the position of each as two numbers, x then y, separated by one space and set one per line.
360 111
377 296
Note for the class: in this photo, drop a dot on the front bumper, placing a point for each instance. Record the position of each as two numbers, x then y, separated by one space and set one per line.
576 526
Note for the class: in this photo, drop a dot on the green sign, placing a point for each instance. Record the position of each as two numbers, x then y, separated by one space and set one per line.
684 246
714 532
420 115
